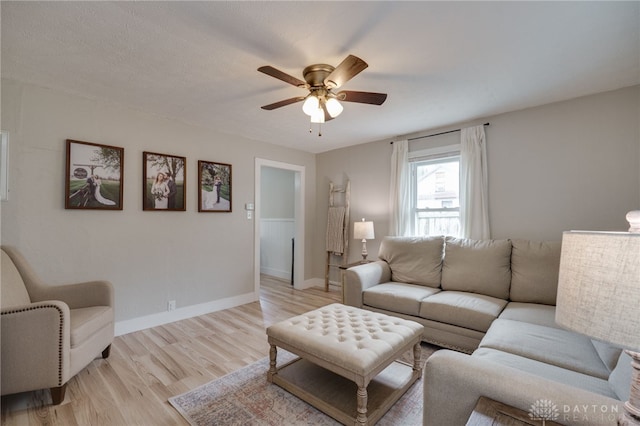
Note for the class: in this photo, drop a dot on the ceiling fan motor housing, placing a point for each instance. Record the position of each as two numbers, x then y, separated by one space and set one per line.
315 74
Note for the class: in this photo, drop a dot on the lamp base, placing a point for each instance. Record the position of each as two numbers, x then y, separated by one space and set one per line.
631 416
364 250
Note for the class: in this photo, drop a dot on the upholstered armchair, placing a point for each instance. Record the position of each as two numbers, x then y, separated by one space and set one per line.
49 333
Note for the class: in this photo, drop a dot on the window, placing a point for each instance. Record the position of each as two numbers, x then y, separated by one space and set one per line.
435 189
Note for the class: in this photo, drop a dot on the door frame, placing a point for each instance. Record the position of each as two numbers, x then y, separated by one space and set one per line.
299 219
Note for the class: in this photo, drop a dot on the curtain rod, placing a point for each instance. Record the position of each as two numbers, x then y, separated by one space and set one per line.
437 134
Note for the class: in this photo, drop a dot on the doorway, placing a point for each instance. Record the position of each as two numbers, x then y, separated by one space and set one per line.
266 169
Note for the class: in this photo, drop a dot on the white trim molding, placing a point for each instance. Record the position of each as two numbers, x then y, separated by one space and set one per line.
160 318
299 213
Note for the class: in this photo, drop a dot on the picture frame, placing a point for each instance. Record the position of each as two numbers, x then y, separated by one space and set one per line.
94 178
215 189
164 182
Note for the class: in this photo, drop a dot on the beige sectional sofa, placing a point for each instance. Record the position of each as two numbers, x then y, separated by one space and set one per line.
494 299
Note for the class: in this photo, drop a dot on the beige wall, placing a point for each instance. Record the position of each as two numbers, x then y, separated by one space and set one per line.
367 167
277 193
567 165
151 257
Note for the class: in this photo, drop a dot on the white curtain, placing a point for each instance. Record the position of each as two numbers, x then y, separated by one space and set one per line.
400 193
474 191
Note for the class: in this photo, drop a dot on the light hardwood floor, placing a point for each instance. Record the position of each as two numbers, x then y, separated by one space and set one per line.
147 367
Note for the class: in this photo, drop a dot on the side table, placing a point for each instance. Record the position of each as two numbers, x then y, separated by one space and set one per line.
343 268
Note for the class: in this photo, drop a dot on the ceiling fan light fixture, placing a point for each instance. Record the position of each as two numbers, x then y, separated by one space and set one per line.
334 108
311 105
318 116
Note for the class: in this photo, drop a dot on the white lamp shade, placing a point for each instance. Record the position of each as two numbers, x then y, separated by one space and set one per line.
363 231
334 108
310 105
599 286
318 116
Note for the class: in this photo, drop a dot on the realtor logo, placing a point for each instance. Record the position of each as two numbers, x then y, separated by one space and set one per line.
544 410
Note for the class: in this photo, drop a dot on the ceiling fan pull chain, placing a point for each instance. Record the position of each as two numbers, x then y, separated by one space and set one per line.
319 128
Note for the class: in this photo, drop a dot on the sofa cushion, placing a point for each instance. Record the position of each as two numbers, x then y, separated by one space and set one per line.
85 322
533 313
548 371
468 310
620 378
476 266
12 289
397 297
550 345
608 353
534 271
413 260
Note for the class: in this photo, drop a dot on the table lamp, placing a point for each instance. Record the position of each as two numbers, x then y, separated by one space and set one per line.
363 231
599 294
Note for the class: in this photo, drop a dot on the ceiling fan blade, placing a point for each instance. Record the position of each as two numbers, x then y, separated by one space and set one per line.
344 72
269 70
362 97
283 103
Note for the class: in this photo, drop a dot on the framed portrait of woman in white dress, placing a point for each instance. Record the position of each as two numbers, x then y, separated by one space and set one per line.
95 176
164 182
215 187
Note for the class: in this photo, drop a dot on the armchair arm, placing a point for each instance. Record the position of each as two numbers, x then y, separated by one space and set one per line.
361 277
453 382
80 295
35 346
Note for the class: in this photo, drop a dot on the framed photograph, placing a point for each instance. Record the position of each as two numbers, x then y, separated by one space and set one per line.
215 187
95 176
164 182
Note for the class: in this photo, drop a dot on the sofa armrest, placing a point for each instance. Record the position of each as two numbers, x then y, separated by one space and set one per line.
79 295
453 382
35 346
362 277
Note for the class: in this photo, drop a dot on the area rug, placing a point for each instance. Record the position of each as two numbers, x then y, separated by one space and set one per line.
244 397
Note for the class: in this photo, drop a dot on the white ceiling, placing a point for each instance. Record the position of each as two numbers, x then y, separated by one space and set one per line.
441 63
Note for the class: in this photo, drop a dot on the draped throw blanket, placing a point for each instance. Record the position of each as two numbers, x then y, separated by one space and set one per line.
335 230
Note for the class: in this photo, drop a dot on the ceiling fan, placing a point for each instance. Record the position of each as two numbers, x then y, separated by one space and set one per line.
322 103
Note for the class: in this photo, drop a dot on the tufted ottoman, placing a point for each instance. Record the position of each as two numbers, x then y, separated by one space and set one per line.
348 364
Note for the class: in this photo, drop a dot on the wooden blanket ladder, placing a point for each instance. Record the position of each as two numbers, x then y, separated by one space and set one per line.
337 229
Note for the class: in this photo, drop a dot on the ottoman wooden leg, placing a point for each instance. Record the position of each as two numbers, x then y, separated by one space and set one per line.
273 353
362 405
417 357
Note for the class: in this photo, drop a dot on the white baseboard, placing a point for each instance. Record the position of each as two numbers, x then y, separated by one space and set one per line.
153 320
313 282
278 273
